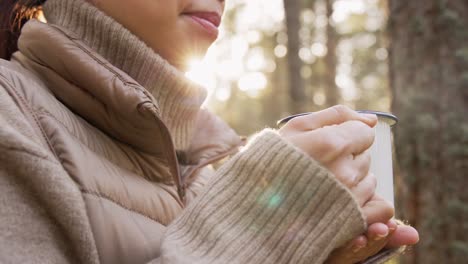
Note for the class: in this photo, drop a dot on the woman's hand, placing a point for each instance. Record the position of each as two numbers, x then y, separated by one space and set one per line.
377 237
338 138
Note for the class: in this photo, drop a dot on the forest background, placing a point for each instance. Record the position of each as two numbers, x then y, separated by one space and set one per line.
279 57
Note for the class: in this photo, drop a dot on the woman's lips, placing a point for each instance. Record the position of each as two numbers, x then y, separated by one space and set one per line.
208 20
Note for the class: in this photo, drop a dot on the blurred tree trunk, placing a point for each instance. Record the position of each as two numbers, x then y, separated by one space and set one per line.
429 80
296 84
332 93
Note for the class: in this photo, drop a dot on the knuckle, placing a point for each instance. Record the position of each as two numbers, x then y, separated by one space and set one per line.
341 110
349 178
365 160
372 184
335 138
365 131
335 142
354 178
343 145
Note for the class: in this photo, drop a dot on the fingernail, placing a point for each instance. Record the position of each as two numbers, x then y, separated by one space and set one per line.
392 225
380 237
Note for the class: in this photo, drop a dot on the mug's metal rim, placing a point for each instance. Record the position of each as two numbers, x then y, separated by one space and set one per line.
286 119
388 116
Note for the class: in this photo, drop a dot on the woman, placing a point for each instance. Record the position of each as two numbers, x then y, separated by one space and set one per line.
104 147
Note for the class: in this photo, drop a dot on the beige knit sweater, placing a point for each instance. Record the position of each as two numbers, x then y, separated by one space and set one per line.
270 203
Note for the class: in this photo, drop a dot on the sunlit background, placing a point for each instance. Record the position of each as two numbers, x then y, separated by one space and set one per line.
247 68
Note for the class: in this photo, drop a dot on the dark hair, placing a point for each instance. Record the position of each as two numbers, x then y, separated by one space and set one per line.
13 15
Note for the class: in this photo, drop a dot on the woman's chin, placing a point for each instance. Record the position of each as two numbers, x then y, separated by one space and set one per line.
184 63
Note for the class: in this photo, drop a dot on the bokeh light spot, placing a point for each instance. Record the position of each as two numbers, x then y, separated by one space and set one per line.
281 51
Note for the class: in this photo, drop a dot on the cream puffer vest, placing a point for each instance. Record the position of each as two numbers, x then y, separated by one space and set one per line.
107 132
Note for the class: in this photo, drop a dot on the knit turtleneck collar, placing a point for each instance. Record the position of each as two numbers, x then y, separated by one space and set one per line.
179 99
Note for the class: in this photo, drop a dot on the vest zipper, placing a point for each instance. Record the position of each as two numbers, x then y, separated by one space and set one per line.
171 157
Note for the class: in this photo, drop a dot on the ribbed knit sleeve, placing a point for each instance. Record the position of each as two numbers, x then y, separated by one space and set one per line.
271 203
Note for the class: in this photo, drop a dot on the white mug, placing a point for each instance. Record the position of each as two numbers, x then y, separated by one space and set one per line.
381 154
